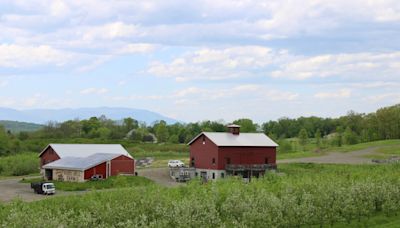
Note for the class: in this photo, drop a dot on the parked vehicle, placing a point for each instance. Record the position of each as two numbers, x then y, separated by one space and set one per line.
182 174
45 188
97 177
175 163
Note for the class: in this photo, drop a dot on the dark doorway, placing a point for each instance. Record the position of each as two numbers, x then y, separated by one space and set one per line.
203 176
48 173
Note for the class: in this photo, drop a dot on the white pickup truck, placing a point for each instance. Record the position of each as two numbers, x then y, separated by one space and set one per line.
45 188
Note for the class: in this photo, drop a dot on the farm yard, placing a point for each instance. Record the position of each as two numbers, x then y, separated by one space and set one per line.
339 179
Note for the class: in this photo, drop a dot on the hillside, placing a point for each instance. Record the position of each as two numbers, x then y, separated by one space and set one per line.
16 126
41 116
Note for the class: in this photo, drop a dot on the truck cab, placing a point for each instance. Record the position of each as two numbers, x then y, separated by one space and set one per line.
45 188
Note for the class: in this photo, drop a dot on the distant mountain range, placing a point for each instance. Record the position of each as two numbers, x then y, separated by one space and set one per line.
41 116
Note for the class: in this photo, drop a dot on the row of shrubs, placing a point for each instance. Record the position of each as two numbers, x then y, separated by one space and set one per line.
19 164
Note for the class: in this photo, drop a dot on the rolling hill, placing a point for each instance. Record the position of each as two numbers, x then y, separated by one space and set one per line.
15 126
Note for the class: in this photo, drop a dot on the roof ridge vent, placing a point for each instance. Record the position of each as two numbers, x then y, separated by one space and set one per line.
234 129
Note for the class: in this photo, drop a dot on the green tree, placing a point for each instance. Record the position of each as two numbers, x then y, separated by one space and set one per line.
317 136
246 125
161 131
339 136
4 141
303 137
349 137
130 123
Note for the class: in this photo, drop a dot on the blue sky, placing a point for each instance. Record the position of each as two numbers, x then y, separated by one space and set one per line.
197 60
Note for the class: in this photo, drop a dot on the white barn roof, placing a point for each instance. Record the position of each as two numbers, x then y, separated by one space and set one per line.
86 150
242 139
77 163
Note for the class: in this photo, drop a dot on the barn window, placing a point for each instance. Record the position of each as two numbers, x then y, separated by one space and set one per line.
213 161
196 174
204 139
222 175
266 161
192 162
213 175
228 161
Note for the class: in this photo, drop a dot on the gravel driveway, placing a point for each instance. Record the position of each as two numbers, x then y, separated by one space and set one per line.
159 175
12 188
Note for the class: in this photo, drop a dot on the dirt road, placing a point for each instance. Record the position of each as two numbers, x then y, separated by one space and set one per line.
12 188
160 176
355 157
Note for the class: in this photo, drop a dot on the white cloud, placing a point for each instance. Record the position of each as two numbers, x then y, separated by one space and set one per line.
216 64
352 65
7 101
342 93
257 93
110 31
136 48
16 56
3 83
92 90
387 98
136 97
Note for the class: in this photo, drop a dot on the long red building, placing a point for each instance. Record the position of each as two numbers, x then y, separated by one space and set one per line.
80 162
217 154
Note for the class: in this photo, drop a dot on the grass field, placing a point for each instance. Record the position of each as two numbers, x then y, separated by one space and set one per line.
385 148
301 195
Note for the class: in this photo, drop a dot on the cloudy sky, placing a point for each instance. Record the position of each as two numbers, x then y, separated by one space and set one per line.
196 60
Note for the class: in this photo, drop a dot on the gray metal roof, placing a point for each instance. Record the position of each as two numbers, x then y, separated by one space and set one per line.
79 163
85 150
243 139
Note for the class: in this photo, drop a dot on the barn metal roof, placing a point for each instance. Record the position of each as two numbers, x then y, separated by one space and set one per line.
242 139
85 150
79 163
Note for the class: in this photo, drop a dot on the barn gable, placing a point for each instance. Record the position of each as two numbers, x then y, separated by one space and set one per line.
85 150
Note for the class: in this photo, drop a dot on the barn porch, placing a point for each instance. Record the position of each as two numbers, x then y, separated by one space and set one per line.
248 170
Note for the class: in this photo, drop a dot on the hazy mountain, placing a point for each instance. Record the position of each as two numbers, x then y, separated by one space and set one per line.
15 126
41 116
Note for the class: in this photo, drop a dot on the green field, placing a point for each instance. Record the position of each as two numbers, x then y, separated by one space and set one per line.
385 148
299 195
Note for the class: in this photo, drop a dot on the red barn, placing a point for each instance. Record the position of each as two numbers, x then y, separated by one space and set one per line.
217 154
80 162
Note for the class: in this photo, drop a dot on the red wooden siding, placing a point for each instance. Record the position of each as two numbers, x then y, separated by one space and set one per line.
246 155
203 153
99 169
122 164
49 155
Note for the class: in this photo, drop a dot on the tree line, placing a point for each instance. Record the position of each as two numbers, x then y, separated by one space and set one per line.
349 129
